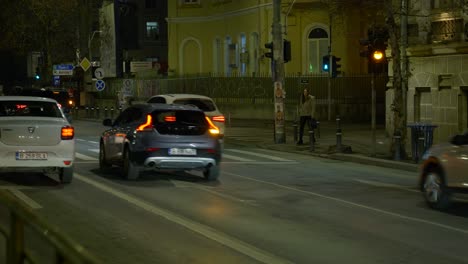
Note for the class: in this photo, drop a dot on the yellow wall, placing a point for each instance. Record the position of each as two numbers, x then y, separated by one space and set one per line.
192 31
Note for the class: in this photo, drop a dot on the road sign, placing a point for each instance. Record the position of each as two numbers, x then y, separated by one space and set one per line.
99 73
127 88
63 69
56 80
100 85
85 64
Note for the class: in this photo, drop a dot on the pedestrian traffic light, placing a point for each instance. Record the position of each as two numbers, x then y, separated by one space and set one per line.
269 46
37 76
336 66
326 63
286 50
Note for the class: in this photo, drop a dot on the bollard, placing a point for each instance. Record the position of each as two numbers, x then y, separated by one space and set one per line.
295 131
87 111
92 112
311 141
112 112
421 147
120 109
105 112
98 114
76 112
397 140
338 134
318 129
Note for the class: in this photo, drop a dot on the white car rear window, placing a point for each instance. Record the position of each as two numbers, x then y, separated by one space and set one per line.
202 104
29 108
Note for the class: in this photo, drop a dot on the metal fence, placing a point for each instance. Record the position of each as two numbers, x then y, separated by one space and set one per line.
346 95
21 249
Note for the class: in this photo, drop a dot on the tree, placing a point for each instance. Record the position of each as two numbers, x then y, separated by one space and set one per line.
47 26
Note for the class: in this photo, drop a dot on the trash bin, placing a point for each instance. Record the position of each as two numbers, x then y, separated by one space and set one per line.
421 139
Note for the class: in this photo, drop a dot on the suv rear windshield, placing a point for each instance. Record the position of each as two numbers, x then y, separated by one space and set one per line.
29 108
179 122
202 104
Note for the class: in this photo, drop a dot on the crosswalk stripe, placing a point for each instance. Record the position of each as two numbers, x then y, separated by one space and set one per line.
235 157
257 154
84 157
94 150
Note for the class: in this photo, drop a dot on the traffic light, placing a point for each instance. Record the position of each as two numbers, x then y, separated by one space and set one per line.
286 50
326 63
269 46
37 75
336 66
375 46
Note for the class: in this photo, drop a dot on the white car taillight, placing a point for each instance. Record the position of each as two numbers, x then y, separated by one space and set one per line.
219 118
68 132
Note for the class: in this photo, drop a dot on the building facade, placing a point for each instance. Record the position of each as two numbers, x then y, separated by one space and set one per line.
438 66
228 37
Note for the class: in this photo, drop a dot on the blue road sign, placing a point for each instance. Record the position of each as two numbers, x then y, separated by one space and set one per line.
56 80
100 85
61 67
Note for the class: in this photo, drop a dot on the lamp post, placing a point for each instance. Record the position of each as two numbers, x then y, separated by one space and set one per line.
90 39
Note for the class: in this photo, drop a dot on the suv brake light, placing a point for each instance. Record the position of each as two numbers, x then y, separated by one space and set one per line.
214 130
146 126
219 118
68 132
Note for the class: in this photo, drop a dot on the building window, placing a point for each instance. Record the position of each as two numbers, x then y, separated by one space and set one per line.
447 30
227 44
190 2
152 30
150 3
243 56
254 53
317 48
218 56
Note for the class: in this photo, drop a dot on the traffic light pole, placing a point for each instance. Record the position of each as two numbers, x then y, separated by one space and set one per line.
330 70
278 74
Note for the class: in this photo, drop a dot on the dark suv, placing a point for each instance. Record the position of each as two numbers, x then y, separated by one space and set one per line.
161 136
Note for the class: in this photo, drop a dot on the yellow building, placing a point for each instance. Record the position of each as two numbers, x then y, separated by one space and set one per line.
229 36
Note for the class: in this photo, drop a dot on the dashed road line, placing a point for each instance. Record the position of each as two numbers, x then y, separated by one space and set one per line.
257 154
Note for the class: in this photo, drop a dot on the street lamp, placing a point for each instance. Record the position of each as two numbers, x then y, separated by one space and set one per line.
90 39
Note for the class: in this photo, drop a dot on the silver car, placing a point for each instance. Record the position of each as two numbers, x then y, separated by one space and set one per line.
161 136
444 171
35 136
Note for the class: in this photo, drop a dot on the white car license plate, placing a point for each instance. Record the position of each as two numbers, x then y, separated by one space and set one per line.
31 155
182 151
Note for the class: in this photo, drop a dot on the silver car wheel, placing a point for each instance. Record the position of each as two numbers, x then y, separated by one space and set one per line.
432 187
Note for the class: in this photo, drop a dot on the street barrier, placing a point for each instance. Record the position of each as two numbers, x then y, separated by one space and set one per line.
311 140
21 216
421 139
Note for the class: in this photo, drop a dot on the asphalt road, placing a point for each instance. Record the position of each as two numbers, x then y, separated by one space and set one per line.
267 207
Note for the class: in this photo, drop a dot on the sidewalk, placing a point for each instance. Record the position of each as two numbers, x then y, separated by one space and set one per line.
356 142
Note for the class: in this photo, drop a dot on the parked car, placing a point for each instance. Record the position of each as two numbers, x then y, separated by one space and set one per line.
444 171
161 136
35 136
205 103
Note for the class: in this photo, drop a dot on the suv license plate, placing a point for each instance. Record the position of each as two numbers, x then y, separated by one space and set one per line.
182 151
31 155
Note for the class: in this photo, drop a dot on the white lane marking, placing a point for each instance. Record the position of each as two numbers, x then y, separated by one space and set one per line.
257 154
83 157
94 142
464 231
235 157
260 162
94 150
30 202
206 231
386 185
79 139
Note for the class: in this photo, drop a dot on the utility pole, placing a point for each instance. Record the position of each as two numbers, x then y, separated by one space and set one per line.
330 70
278 73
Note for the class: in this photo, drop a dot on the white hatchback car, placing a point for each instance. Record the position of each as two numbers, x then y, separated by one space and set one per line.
204 103
35 136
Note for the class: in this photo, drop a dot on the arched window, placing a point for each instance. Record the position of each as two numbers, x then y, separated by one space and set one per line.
217 56
317 46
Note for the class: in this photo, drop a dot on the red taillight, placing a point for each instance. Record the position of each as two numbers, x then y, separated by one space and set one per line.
146 126
169 118
218 118
151 149
214 130
68 132
67 162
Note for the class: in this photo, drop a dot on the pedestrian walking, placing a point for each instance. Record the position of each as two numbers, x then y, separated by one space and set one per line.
306 114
